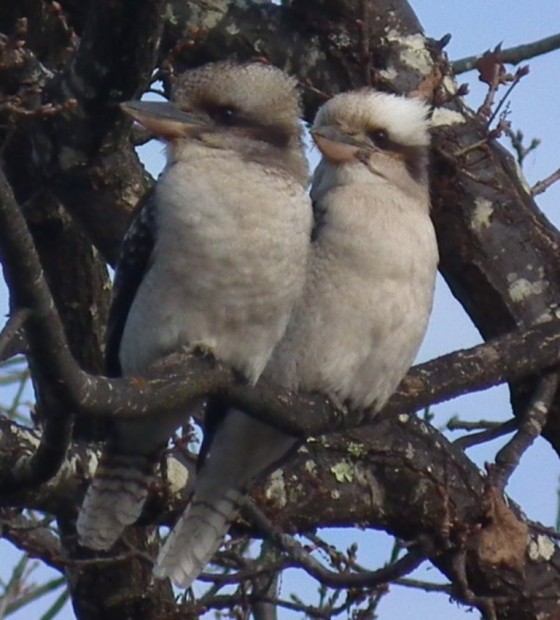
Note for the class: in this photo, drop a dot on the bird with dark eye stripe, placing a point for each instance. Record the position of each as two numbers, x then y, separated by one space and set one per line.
376 133
214 259
371 271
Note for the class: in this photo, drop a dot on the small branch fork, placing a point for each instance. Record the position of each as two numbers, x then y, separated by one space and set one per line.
494 432
493 72
179 379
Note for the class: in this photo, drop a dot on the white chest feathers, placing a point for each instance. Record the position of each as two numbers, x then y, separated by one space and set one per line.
367 298
228 264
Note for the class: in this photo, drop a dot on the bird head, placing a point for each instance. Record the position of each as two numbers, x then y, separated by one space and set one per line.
383 134
251 108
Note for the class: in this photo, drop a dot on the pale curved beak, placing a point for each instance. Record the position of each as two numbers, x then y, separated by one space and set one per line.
164 119
336 145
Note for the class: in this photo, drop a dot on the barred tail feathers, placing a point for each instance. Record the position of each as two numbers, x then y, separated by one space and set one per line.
115 498
196 537
242 449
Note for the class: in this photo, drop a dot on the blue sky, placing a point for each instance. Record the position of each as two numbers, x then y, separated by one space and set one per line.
475 26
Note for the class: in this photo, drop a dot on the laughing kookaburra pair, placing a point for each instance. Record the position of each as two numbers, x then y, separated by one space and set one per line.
221 256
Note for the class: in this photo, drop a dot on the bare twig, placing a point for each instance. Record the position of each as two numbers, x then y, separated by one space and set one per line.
492 74
232 601
516 138
475 439
519 74
249 571
512 55
301 558
471 147
425 585
540 186
35 539
456 424
530 427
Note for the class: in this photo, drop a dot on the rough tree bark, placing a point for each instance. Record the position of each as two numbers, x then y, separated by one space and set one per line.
73 171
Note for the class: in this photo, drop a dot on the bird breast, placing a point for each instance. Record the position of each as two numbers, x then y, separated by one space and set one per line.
370 286
228 263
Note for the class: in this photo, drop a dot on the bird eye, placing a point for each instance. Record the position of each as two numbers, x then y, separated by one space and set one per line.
225 115
380 139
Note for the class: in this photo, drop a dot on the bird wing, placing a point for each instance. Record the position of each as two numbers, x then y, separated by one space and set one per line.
319 216
134 261
118 492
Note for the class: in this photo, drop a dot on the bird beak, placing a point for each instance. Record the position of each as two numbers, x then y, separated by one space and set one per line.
336 145
164 119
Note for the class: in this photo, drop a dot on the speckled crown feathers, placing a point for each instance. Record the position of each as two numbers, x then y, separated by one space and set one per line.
228 83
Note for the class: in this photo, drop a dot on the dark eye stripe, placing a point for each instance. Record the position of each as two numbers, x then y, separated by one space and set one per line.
276 134
414 157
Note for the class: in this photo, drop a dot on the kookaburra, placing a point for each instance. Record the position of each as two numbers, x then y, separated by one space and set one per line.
215 258
373 260
363 312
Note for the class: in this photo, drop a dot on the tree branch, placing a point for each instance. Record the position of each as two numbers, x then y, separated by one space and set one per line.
168 390
33 538
530 427
11 338
541 186
512 55
300 557
46 336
